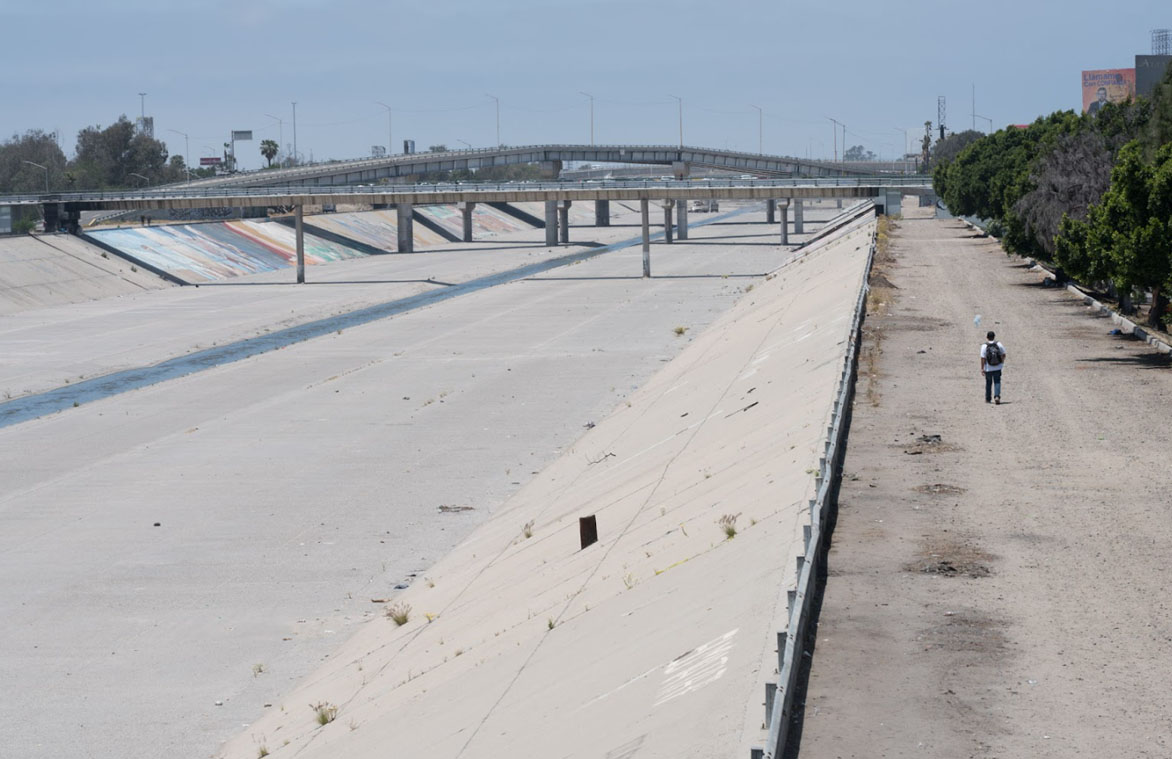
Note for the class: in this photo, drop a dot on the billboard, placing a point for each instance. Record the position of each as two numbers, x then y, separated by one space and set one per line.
210 161
241 135
1106 86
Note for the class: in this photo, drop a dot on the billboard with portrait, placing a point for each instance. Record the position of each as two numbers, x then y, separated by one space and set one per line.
1106 86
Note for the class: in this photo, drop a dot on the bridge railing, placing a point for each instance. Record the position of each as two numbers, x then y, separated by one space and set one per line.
423 189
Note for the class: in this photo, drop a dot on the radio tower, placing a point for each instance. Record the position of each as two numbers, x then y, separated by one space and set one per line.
940 114
1162 42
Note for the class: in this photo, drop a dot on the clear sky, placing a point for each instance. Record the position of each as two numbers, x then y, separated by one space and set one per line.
210 66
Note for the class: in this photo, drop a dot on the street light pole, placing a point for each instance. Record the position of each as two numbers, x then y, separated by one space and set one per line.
280 128
498 118
835 130
140 176
39 166
390 138
142 105
186 152
760 129
295 159
680 102
587 94
466 143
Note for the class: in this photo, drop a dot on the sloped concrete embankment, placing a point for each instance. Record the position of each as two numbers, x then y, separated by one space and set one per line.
657 640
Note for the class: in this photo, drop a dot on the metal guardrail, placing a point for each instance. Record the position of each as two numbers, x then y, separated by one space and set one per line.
386 189
780 696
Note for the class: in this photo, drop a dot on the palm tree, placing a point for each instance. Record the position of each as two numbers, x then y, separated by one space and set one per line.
269 149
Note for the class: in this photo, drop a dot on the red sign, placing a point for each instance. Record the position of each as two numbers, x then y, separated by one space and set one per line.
205 161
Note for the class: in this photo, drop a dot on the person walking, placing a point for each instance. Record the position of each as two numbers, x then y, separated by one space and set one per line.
992 360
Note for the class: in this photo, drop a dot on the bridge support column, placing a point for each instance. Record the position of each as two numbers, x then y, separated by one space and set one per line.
667 204
784 222
771 211
52 215
551 223
645 212
602 213
840 202
564 221
300 232
682 219
405 213
799 226
466 212
551 169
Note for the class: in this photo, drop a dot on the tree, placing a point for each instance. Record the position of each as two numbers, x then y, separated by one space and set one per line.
946 150
857 153
1160 126
107 157
1127 237
35 146
437 148
269 149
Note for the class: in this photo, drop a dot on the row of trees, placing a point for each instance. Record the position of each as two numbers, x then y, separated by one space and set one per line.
1091 193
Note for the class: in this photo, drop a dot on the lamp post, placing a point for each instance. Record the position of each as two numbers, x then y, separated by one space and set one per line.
390 138
498 118
466 143
186 152
680 102
39 166
280 128
587 94
140 176
835 130
295 159
760 129
142 105
985 118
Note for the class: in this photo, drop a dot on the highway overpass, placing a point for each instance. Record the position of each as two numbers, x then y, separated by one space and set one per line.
677 159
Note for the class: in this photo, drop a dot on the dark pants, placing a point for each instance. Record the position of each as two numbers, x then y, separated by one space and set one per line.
992 385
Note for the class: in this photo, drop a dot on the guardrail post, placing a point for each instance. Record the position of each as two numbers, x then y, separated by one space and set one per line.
300 233
770 693
645 211
781 638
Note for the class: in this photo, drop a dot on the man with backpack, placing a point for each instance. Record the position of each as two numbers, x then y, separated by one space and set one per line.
992 359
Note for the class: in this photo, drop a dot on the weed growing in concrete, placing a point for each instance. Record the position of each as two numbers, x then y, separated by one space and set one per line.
680 330
325 712
262 752
134 268
527 529
630 581
399 613
728 523
550 622
258 669
749 288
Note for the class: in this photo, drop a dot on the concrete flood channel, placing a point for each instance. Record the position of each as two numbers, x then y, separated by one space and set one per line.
61 398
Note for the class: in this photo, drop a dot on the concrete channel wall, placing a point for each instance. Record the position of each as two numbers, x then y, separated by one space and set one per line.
658 639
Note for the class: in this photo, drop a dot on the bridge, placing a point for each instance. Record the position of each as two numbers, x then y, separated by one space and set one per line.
552 157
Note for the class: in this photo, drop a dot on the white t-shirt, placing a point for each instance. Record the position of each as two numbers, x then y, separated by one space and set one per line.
993 367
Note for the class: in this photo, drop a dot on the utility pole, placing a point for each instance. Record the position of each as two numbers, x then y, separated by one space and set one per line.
498 119
39 166
974 107
680 101
587 94
390 138
760 129
295 159
834 129
280 128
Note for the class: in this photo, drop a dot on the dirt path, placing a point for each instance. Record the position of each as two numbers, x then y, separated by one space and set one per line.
1002 592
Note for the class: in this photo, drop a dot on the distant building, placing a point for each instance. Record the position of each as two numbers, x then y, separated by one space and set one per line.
1149 70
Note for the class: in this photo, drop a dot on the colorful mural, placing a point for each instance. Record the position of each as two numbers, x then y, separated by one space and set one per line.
220 250
486 221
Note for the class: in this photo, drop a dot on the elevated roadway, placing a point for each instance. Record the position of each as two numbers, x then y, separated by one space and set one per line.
678 158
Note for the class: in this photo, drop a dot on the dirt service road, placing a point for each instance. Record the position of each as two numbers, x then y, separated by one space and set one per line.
1000 591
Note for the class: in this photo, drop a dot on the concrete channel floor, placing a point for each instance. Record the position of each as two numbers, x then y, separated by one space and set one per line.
1003 592
291 488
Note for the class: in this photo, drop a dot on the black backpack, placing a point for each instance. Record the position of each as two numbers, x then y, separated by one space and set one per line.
993 354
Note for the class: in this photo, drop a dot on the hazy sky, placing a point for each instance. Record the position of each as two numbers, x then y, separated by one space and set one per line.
210 66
